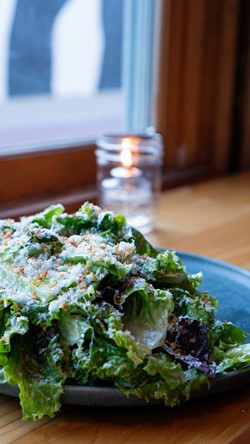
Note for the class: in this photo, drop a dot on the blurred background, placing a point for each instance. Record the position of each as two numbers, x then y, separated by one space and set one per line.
54 54
71 70
63 34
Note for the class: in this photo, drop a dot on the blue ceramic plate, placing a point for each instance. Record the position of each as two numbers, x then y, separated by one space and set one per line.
231 286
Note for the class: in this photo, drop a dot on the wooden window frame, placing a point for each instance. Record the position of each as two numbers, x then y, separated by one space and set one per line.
29 182
196 82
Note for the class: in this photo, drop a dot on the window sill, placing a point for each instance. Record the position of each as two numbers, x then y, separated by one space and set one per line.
73 198
71 201
44 123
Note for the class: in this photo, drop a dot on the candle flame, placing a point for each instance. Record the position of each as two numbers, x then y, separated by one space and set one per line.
126 154
126 158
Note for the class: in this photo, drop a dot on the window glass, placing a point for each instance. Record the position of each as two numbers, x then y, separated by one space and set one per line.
60 70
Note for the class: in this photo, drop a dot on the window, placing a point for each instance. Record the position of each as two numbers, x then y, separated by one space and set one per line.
60 70
179 71
49 116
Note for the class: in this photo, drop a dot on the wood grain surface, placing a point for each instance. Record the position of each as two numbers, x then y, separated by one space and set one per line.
210 218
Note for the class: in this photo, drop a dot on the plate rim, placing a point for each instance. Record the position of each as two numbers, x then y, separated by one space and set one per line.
215 261
112 396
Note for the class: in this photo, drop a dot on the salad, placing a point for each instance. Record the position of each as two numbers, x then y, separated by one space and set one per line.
86 300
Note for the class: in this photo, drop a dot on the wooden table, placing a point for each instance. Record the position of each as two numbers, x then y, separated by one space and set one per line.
210 218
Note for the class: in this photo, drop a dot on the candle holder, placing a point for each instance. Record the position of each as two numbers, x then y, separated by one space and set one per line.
129 176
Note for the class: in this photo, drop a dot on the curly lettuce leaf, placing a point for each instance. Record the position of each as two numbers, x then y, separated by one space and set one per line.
45 218
199 306
105 362
234 358
227 335
166 270
112 227
157 377
167 381
228 350
14 324
40 379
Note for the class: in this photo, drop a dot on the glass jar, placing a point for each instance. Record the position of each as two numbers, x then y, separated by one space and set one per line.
129 176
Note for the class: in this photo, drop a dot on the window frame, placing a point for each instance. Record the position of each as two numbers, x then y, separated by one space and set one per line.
196 87
27 181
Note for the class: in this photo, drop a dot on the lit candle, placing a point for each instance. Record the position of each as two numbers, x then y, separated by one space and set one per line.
126 171
129 176
127 191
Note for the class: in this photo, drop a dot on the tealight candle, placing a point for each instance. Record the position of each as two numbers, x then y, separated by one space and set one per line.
129 177
125 173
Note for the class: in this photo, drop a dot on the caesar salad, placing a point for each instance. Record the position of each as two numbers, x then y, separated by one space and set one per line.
85 299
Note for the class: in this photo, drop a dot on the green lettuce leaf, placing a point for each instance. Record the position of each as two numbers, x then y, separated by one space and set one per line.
142 244
40 379
167 381
14 324
45 218
234 358
199 306
227 335
74 328
166 270
104 361
147 313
